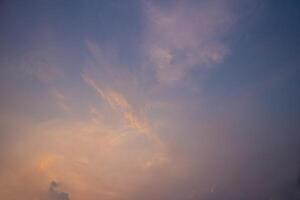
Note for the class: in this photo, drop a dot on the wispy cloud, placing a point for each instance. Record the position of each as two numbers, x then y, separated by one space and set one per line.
131 130
42 66
118 103
60 99
112 86
186 35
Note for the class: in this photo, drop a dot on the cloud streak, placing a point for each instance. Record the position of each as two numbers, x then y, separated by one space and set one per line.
118 103
114 82
42 66
111 112
60 100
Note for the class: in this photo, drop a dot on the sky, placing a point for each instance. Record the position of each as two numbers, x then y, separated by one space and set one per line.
149 99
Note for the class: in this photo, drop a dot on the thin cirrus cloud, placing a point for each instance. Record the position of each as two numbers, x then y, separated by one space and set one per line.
129 127
60 100
181 37
113 85
118 103
42 66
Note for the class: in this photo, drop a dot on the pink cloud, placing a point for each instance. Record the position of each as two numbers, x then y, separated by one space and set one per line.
182 37
42 66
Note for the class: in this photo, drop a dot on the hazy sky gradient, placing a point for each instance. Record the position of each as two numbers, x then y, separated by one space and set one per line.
148 99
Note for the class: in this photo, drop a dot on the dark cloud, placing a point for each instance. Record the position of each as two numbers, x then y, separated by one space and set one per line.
290 191
55 194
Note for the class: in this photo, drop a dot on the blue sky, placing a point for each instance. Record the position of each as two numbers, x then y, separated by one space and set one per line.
153 99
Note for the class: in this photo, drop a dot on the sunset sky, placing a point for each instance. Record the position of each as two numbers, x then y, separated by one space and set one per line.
149 99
